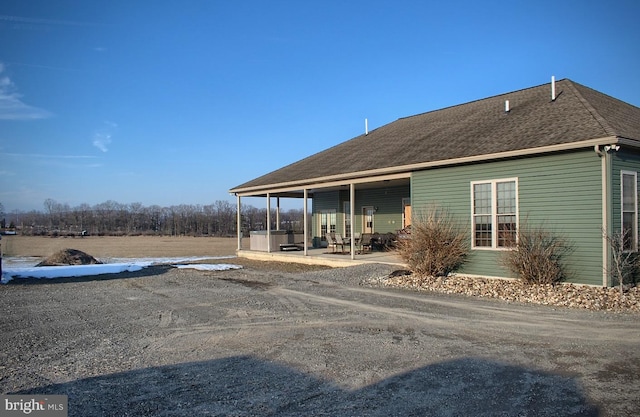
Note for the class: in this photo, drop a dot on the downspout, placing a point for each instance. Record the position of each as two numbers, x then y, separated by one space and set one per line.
606 212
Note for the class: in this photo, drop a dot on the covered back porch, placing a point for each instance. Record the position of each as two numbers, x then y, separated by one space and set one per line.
370 197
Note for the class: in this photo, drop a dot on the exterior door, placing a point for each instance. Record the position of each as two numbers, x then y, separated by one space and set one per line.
367 219
347 219
406 212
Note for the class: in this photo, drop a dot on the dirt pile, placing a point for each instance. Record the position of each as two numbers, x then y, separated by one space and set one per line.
69 257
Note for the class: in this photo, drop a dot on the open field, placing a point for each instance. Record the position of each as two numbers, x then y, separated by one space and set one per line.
121 247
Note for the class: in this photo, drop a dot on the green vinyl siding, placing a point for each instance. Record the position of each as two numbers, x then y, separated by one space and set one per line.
387 200
561 192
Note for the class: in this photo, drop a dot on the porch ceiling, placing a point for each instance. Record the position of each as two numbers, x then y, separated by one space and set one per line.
333 186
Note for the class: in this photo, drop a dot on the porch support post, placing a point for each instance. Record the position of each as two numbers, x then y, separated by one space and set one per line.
304 227
352 215
268 222
239 222
277 213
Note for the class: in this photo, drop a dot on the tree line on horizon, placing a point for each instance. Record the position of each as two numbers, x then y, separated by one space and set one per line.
111 218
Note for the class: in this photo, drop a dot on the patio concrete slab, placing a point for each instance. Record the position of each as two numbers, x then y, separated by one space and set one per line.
324 256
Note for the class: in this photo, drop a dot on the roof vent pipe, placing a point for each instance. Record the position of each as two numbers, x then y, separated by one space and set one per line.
506 106
553 88
366 127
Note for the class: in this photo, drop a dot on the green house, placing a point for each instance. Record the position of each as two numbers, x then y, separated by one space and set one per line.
560 155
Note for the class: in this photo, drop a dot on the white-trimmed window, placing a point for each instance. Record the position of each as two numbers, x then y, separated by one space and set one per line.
629 208
327 222
494 208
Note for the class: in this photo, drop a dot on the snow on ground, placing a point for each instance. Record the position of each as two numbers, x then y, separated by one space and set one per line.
24 267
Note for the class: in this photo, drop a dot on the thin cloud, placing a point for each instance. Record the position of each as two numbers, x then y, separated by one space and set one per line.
101 141
51 160
37 21
49 67
102 138
11 105
45 156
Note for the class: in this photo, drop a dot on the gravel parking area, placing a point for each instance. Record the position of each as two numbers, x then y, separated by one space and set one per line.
283 340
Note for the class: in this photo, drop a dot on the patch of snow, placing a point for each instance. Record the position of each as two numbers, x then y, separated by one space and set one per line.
17 267
209 267
52 272
163 261
20 261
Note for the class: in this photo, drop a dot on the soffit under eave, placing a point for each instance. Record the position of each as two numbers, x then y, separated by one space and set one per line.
288 194
634 143
316 185
362 177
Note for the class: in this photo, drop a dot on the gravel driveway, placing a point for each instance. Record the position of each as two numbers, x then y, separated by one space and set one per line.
263 341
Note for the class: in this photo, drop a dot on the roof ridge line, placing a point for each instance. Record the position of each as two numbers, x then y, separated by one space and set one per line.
478 100
594 113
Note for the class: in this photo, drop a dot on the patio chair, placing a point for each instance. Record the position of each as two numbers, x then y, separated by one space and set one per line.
365 242
331 243
357 238
340 242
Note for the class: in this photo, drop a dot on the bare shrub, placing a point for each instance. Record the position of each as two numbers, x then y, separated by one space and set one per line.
438 243
537 257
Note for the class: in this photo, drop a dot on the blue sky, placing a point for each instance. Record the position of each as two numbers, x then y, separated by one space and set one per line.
175 102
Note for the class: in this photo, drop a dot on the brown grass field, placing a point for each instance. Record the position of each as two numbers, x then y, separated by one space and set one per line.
121 247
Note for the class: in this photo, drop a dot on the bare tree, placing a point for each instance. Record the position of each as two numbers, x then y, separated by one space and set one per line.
225 217
49 205
111 217
624 264
292 220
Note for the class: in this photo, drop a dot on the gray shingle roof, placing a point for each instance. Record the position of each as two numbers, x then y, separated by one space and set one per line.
476 128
